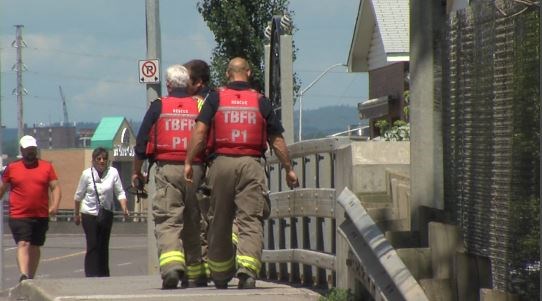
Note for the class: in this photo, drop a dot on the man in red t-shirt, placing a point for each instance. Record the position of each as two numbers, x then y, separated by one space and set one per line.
29 181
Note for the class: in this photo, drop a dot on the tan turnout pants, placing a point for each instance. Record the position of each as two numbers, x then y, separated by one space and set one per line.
177 220
238 188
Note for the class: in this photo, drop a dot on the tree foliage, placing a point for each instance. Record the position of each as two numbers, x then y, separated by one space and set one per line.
238 27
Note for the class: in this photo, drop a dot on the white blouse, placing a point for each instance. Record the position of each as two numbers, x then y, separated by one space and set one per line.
108 184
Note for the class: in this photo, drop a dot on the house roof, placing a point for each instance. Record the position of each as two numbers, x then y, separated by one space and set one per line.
106 132
381 31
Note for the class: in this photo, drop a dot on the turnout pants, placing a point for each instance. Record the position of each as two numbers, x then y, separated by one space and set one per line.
238 189
177 221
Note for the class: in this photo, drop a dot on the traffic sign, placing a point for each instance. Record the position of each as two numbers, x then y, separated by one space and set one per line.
149 71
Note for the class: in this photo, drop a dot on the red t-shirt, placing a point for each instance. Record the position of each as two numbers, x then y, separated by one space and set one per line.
29 191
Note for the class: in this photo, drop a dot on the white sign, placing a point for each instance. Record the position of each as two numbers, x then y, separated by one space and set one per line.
149 71
120 150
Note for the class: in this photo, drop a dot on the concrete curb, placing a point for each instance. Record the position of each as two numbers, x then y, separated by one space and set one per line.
132 288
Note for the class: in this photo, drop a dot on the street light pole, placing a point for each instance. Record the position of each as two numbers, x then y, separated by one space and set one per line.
303 91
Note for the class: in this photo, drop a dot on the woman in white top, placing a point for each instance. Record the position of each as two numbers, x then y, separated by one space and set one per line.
96 191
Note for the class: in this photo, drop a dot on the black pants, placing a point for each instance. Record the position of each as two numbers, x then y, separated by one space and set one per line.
97 236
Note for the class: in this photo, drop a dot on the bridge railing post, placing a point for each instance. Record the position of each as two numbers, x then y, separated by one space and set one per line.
310 219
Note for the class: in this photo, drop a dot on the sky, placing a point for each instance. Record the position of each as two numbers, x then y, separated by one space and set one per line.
92 48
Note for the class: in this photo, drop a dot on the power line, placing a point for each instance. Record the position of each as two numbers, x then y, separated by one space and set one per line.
49 76
90 102
330 96
84 78
83 54
319 71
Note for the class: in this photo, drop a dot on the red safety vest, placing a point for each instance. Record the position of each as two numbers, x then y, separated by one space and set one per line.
239 128
169 136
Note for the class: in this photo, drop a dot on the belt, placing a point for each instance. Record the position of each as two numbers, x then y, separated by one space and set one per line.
257 158
165 162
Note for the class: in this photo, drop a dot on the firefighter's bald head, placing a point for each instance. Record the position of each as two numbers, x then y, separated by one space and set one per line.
238 70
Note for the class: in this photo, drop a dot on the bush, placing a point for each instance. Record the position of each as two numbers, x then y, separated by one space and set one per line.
400 131
338 294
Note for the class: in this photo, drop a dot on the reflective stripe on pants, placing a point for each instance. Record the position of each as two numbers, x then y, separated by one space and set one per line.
238 185
176 216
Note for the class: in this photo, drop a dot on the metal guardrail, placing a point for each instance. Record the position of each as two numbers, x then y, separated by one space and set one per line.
376 262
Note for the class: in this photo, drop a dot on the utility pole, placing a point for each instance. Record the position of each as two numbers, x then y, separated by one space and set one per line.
19 67
154 51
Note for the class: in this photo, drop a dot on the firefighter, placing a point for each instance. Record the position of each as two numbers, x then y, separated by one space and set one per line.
200 75
238 124
163 138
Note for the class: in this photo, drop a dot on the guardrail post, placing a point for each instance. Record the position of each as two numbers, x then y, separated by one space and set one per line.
283 267
305 227
333 221
269 244
321 273
272 268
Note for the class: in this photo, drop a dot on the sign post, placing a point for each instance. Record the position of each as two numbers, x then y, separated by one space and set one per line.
154 52
149 71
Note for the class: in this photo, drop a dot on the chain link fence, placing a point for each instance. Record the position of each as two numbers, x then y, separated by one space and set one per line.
490 98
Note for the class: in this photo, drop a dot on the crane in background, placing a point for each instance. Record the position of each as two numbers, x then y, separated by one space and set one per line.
66 120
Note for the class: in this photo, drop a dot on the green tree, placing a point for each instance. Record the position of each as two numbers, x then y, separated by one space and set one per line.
238 27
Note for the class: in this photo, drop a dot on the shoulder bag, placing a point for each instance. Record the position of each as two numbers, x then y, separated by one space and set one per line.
103 214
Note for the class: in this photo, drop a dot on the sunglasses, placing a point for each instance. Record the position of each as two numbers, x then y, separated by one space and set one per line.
101 159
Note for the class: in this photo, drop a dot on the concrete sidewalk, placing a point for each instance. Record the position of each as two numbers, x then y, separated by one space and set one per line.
65 227
130 288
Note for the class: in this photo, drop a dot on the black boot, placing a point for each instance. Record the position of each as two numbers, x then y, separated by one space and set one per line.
221 284
246 281
171 279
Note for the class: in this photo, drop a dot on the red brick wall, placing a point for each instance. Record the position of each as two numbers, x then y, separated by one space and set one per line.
390 80
68 164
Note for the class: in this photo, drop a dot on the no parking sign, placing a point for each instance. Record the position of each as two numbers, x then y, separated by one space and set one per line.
149 71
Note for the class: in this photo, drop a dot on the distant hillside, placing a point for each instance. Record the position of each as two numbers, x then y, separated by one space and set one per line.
317 123
328 120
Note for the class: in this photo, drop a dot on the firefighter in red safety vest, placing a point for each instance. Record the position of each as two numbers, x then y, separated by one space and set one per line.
201 73
163 138
237 124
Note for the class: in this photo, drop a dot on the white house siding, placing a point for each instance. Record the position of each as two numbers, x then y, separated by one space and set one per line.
377 55
392 17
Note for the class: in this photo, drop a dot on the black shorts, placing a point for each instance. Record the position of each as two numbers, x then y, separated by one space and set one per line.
29 229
